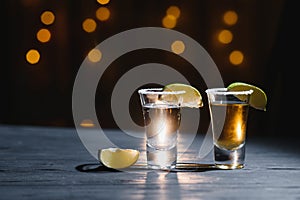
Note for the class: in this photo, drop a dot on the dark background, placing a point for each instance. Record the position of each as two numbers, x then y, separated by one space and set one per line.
41 94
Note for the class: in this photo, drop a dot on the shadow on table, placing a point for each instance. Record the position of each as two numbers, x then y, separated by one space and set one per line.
180 167
94 167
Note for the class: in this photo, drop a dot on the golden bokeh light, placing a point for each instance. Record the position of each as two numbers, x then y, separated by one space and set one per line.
89 25
174 11
47 17
43 35
230 17
169 21
87 123
33 56
178 47
236 57
225 36
95 55
103 2
102 13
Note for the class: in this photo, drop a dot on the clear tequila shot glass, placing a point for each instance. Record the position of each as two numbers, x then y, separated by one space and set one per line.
161 112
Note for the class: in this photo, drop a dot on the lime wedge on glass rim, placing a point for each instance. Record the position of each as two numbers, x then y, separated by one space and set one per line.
258 98
191 98
117 158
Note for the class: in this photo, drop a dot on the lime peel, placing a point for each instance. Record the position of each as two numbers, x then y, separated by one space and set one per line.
117 158
258 98
191 98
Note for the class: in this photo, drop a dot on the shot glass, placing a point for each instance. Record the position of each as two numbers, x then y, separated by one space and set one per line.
229 114
161 112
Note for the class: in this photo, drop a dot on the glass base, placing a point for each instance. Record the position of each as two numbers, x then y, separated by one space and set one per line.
229 159
161 158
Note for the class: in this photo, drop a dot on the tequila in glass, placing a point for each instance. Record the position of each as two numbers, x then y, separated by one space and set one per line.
162 124
229 113
162 120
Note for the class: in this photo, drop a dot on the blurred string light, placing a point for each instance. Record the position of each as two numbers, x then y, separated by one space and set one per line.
47 17
171 17
225 36
178 47
169 21
87 123
33 56
89 25
102 13
174 11
43 35
230 17
103 2
95 55
236 57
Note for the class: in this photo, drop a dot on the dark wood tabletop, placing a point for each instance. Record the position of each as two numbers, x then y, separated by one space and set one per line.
52 163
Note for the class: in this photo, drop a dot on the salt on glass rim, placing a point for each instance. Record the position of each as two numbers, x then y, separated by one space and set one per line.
159 91
224 91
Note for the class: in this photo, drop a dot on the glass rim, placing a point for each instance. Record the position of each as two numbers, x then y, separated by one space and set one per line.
159 91
224 91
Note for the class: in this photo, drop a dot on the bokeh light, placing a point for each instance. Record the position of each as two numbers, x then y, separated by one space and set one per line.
178 47
47 17
102 13
89 25
87 123
225 36
230 17
174 11
169 21
103 2
95 55
43 35
33 56
236 57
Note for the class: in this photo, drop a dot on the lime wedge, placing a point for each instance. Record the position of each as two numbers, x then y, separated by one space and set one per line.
117 158
258 99
191 98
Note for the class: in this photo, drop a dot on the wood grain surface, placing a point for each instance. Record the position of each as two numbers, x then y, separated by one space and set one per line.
52 163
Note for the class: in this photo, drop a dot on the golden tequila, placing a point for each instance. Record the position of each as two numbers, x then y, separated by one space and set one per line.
233 131
229 113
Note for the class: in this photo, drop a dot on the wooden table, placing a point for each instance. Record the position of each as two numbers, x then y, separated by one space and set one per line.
52 163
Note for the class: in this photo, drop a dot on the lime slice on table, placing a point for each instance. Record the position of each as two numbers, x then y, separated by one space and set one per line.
191 98
117 158
258 99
